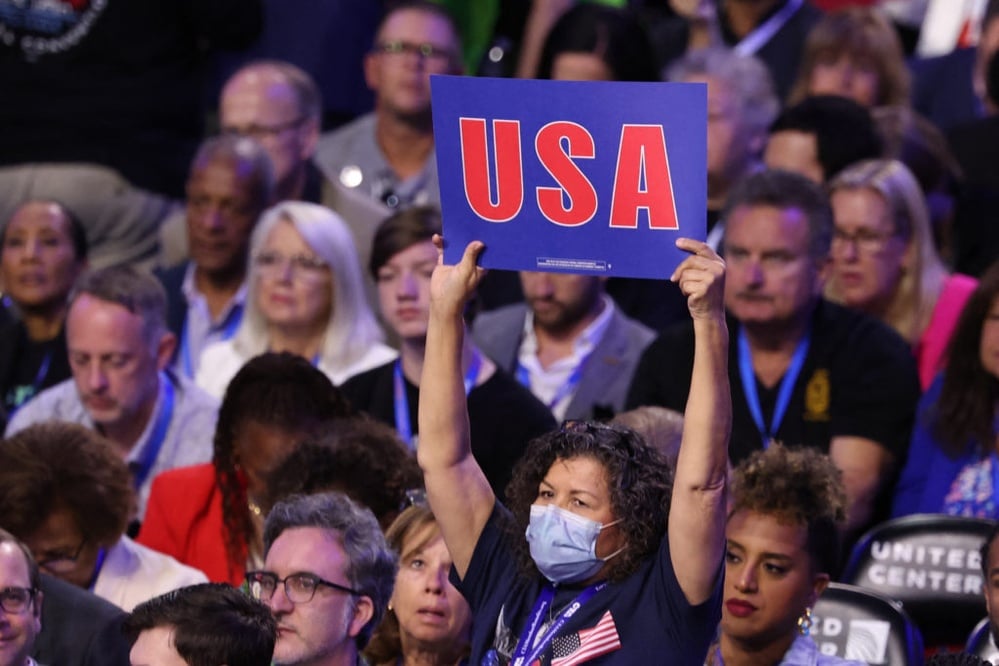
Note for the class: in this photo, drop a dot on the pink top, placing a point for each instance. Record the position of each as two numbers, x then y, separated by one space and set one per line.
932 345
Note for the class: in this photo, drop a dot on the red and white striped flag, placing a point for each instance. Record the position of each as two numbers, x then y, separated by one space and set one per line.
587 644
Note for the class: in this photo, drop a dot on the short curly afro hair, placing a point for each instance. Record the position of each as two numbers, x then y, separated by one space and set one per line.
56 465
798 486
638 476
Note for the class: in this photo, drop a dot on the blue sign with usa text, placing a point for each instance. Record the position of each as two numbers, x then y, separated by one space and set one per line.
571 176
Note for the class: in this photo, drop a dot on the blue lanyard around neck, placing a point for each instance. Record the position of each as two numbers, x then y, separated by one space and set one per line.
152 447
403 426
748 378
232 321
565 390
527 651
758 38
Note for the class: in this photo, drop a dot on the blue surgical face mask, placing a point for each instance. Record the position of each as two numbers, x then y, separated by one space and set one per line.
563 545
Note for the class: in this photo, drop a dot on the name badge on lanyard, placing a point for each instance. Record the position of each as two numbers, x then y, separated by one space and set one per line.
530 646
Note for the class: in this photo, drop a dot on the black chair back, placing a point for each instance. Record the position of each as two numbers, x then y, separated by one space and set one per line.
931 564
854 623
981 644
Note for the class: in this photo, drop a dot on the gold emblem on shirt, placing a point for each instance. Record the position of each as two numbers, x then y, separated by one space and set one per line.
817 396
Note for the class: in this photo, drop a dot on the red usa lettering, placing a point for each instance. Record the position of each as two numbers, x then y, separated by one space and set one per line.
493 174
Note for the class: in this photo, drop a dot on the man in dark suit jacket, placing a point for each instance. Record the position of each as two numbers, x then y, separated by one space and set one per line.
230 184
79 628
569 344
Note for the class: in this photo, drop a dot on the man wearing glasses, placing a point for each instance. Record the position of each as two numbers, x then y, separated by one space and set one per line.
20 602
327 578
389 154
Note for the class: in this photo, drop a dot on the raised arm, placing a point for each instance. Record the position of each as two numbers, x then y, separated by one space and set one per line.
458 492
696 529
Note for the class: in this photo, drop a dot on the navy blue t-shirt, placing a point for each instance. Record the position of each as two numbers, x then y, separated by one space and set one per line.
651 619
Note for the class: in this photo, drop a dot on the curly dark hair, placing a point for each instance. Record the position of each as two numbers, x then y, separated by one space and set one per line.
799 486
965 412
360 457
638 477
55 465
279 390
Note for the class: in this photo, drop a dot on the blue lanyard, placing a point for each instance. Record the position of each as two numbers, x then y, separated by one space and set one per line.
101 554
155 442
401 404
521 657
787 382
565 390
36 384
229 328
43 370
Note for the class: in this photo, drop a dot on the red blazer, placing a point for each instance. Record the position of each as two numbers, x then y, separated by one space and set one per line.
184 519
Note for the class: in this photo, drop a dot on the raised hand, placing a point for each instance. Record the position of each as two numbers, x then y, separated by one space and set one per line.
452 286
701 278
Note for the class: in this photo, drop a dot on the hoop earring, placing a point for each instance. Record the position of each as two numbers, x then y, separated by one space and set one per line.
805 622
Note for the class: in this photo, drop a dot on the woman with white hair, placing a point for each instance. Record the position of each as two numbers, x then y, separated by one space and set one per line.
305 297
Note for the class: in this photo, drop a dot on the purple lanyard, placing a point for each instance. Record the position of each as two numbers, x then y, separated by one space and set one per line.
402 424
529 636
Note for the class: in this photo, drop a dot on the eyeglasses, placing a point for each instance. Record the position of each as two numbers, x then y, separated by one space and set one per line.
255 131
865 240
16 599
425 51
60 562
299 588
273 265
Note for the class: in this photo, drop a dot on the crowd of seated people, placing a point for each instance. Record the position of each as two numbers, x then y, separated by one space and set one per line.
243 395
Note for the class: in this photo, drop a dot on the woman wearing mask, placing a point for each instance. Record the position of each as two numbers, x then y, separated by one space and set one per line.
585 562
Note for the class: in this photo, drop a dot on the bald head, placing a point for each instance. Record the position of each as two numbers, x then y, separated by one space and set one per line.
279 106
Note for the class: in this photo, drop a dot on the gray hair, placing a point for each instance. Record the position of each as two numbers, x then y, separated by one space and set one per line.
783 189
745 76
371 563
352 327
135 290
250 162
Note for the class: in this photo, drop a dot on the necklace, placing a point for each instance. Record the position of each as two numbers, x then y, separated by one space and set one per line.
254 508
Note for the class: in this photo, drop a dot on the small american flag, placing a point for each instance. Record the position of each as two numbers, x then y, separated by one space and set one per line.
587 644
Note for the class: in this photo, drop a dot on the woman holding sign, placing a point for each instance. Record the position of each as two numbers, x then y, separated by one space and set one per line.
584 566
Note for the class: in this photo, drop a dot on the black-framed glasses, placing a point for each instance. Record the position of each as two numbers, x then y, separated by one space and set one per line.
60 561
298 587
865 241
255 131
426 51
16 599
